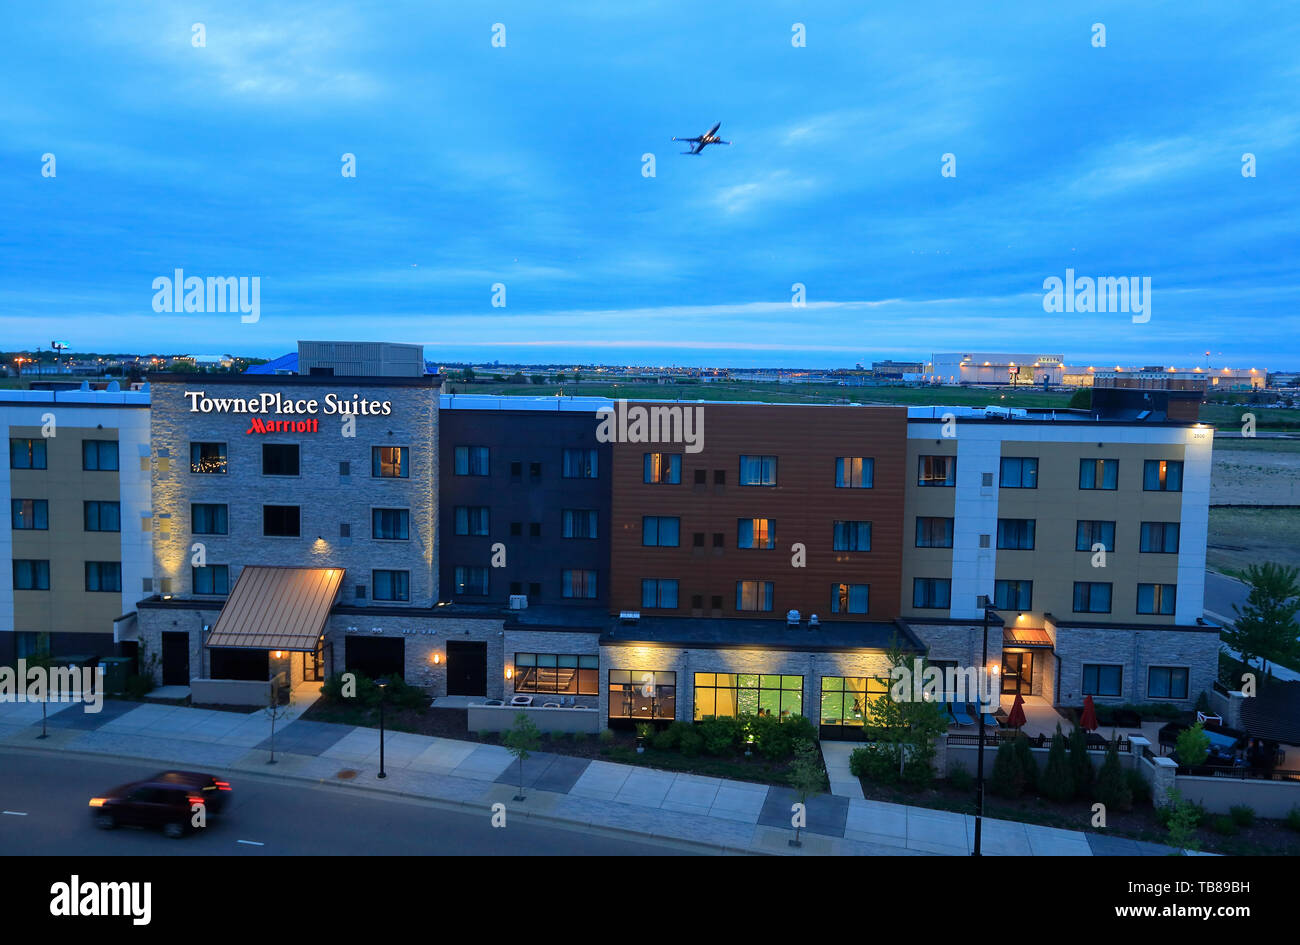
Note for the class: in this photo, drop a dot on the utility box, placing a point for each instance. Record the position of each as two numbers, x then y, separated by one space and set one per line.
116 669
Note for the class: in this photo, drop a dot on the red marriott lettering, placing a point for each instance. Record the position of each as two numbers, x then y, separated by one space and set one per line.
282 426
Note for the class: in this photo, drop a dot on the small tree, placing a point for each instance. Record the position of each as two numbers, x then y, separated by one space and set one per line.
274 711
1266 627
1008 778
1025 759
1080 763
1192 745
1058 780
521 741
1183 818
1112 785
906 728
44 661
806 776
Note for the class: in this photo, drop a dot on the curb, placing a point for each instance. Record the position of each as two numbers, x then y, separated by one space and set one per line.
447 803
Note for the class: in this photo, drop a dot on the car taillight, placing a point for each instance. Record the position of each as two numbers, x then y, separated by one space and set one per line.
222 785
97 801
194 799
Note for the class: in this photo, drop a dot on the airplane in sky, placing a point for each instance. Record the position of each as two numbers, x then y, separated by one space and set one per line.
700 143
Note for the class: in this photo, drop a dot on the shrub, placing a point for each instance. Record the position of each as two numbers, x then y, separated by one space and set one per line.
1138 786
1112 786
606 735
1223 824
1028 765
772 737
1243 815
138 686
1080 764
1182 820
692 742
1058 780
1192 745
1008 779
720 736
959 779
1293 818
871 763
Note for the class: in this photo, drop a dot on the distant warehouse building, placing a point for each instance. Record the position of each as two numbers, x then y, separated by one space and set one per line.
998 368
1197 379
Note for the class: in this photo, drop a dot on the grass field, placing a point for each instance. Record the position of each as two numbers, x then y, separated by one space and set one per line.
1241 537
776 393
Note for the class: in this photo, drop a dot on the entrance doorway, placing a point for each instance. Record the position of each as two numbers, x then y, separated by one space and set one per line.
466 668
175 658
313 664
1017 673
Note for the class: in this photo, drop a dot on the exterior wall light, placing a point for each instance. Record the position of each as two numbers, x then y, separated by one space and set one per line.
510 673
437 658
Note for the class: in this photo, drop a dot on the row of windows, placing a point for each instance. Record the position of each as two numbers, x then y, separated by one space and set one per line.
574 464
1163 682
1090 597
96 455
1021 472
34 515
664 532
652 694
851 472
33 575
1018 534
574 583
284 459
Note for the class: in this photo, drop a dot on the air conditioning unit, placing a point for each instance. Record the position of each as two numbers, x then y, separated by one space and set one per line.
518 601
629 616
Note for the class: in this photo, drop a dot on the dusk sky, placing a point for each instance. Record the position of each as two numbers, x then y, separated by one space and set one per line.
522 165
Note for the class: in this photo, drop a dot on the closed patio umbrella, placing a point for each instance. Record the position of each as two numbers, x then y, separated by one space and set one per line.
1016 717
1088 720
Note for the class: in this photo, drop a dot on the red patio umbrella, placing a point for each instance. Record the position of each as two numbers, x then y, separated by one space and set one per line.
1016 717
1088 720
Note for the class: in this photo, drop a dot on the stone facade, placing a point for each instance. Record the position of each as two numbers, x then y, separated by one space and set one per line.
334 491
153 622
425 637
1136 651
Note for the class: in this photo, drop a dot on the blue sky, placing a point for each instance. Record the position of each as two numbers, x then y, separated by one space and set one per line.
522 165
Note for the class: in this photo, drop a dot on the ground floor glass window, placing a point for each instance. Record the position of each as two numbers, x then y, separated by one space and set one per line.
642 694
845 698
736 694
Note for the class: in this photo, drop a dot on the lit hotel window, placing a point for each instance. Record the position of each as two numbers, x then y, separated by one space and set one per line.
1156 598
1161 475
389 462
471 581
207 457
663 468
936 471
31 514
755 533
758 470
854 472
850 598
1099 474
754 595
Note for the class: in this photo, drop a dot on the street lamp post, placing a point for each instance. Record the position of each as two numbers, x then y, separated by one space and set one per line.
979 778
383 690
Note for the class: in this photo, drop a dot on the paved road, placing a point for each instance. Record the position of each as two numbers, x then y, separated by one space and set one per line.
286 817
1221 593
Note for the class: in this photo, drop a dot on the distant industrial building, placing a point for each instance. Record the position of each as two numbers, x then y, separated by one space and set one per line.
1197 379
997 368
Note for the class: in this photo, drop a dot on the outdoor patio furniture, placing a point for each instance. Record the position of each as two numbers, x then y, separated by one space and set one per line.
990 721
959 714
550 705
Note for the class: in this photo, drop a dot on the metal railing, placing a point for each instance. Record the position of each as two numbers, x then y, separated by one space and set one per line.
1240 773
994 739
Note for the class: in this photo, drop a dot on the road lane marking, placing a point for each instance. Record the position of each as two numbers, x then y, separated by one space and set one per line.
16 813
251 843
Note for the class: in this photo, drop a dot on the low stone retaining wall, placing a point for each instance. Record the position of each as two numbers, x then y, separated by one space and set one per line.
498 718
248 692
1272 799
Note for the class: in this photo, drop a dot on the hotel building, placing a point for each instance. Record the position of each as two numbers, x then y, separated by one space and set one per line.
494 547
76 493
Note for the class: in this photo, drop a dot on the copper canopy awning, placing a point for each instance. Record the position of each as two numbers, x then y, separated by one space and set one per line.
277 608
1025 636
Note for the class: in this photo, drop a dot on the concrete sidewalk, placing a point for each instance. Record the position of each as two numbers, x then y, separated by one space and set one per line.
716 814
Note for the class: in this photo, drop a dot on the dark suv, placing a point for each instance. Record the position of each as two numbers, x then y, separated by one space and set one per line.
169 800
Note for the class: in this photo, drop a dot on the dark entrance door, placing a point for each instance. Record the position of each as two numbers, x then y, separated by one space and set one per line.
376 656
175 658
1017 673
466 668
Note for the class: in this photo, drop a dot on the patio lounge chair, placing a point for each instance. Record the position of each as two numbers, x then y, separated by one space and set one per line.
989 720
959 713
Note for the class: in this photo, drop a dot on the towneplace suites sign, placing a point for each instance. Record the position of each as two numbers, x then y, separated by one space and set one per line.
270 412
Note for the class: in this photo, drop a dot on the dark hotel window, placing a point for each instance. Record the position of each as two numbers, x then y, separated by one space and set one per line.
279 459
280 521
99 454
